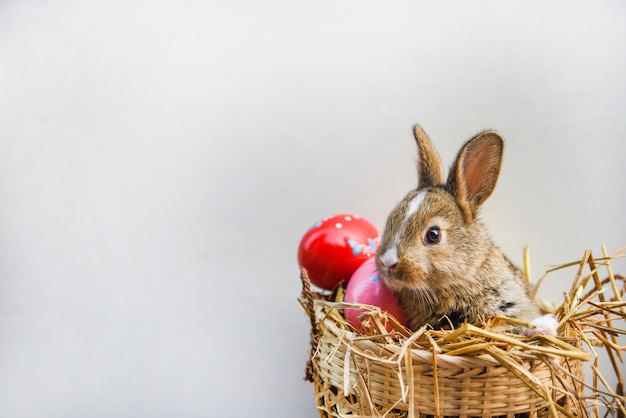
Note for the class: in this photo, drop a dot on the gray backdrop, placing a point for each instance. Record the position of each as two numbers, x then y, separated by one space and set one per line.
159 162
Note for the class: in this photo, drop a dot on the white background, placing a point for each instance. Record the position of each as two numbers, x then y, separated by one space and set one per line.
159 162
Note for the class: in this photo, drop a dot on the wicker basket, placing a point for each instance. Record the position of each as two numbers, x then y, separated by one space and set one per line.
389 374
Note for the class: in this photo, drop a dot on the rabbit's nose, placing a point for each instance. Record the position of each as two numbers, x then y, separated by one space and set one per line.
389 270
389 260
391 265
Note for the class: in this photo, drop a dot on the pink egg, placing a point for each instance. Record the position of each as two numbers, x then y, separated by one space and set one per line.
367 287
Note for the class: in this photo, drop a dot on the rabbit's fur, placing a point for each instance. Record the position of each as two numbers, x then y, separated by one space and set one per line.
438 257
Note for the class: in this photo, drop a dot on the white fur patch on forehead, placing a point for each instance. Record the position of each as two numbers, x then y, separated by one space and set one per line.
414 204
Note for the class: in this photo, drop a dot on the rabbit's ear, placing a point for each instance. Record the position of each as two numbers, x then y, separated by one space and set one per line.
430 170
474 174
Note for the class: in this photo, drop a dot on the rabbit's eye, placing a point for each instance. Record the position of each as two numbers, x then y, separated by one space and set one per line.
433 235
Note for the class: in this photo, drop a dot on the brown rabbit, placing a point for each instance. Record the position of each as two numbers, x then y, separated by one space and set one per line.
438 257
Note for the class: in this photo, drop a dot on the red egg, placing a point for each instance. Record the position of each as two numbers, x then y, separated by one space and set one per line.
335 247
367 287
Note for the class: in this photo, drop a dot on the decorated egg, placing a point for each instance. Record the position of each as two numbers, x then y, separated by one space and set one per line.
367 287
334 247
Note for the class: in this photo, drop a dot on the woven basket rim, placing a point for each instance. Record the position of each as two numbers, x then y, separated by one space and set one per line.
331 366
350 363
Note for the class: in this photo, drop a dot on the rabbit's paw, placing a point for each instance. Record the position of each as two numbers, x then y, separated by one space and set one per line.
544 325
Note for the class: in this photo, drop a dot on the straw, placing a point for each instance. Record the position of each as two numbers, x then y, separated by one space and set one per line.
475 370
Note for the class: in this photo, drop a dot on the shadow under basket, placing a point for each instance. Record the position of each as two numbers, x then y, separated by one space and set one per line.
472 371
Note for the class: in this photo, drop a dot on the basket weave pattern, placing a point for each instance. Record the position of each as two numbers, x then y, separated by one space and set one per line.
369 377
463 386
475 370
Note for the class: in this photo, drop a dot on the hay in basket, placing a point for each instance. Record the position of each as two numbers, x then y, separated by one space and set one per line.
476 370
